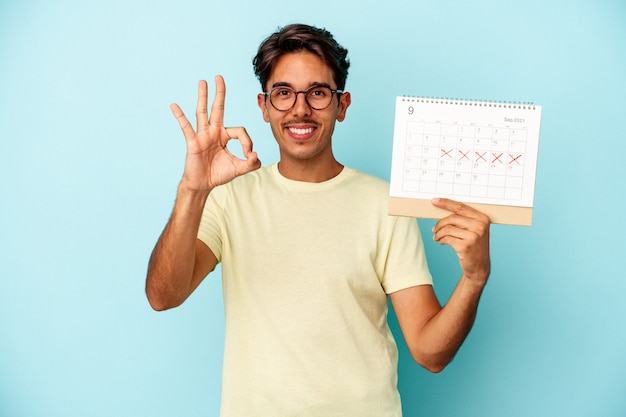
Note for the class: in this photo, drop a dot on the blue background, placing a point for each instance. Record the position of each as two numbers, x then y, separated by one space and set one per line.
90 157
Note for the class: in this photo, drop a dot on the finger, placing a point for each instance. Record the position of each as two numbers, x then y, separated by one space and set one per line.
456 207
202 116
455 220
251 163
461 209
242 136
183 122
217 108
452 231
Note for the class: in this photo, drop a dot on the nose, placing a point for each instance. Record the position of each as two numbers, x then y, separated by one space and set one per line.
301 106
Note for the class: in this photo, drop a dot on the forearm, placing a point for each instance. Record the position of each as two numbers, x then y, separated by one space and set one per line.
443 334
171 277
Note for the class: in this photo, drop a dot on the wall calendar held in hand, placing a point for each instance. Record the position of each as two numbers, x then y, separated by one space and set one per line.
479 152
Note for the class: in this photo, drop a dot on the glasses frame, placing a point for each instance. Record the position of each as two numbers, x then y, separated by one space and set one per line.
268 94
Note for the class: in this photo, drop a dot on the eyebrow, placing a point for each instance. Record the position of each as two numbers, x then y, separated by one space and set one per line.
313 84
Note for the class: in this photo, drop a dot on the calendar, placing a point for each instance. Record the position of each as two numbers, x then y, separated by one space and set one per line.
479 152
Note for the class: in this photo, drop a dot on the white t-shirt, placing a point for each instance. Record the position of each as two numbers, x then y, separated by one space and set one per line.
306 269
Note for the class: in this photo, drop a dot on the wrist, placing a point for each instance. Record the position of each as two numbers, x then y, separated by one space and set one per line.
184 187
476 281
190 196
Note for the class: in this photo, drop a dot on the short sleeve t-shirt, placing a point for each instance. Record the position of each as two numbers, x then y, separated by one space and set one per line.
306 269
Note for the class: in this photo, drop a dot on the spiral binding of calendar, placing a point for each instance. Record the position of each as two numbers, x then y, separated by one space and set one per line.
466 102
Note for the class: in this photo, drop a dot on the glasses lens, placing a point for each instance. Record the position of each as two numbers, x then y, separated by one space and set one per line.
319 97
283 98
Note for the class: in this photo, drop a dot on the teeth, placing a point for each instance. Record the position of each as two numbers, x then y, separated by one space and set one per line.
301 131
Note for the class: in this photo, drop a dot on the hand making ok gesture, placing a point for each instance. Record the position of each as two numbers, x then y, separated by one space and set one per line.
209 163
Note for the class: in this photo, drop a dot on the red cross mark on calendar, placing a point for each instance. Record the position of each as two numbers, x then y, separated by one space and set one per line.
514 159
496 158
464 155
480 156
446 153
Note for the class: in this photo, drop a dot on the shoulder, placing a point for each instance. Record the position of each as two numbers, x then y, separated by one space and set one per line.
243 186
368 183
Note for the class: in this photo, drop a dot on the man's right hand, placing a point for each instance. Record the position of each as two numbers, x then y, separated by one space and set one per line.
209 163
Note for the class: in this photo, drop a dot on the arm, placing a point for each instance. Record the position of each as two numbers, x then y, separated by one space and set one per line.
179 260
434 334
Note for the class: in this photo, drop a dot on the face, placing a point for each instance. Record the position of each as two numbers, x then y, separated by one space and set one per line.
303 134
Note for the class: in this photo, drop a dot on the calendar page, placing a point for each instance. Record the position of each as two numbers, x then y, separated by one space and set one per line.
480 153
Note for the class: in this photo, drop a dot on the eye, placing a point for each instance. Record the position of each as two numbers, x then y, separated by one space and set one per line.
282 93
319 92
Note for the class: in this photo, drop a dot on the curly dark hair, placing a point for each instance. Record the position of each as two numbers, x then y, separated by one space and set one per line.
300 37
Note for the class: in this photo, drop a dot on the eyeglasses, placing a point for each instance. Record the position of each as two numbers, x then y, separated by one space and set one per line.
318 97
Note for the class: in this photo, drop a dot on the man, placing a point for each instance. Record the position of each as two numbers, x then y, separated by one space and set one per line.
308 252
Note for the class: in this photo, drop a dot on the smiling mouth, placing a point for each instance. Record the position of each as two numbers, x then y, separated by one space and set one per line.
301 131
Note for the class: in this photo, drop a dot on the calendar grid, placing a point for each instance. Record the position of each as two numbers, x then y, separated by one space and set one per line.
464 160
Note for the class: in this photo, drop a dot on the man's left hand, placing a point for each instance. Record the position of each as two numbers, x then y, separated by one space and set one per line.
466 230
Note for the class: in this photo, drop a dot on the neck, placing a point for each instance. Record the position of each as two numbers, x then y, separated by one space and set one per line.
309 171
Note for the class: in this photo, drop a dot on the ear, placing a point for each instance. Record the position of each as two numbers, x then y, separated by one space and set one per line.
262 102
344 103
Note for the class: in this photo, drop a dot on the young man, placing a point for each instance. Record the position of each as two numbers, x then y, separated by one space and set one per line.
308 252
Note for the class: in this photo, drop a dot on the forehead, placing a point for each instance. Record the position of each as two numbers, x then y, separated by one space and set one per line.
300 70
